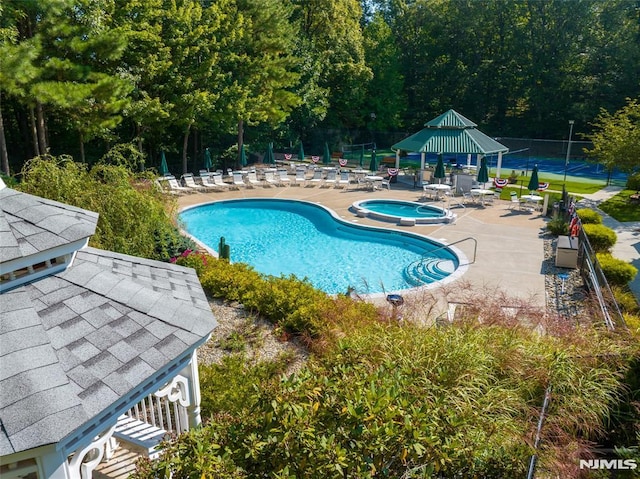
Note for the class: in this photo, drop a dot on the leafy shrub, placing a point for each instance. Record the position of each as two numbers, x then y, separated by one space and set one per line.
391 401
625 299
617 271
633 182
600 237
134 217
588 216
558 227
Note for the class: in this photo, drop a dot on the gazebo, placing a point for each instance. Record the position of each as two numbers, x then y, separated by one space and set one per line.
454 134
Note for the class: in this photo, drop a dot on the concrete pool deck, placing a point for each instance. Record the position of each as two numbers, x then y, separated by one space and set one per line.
509 252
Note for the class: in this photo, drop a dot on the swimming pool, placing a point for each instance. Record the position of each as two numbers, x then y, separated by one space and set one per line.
404 212
282 237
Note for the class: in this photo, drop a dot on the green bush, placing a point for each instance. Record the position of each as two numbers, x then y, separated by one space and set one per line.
626 299
134 216
588 216
600 237
617 271
633 182
558 227
392 402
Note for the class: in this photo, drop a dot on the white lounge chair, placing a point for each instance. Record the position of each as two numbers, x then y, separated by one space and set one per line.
284 177
515 201
300 177
344 180
317 178
238 179
386 182
331 179
206 182
270 178
175 186
252 179
190 182
217 180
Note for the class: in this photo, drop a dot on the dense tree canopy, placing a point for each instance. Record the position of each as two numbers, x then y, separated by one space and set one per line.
158 74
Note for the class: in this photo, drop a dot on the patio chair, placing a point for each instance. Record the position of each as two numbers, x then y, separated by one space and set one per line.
207 182
300 177
217 180
515 201
175 186
252 179
270 178
386 183
190 182
344 180
331 179
449 196
317 178
238 180
284 177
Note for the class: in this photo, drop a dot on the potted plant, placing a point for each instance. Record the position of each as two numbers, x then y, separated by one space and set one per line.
513 177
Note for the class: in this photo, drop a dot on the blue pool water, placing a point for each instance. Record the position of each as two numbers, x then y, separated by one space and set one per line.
294 237
405 209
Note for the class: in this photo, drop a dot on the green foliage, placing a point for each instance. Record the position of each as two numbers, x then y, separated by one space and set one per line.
633 182
407 402
600 237
626 299
616 140
558 227
588 216
617 271
133 215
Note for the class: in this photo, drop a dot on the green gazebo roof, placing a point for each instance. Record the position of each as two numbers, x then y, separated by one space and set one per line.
450 133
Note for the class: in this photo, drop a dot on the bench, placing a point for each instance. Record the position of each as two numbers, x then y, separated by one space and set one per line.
140 434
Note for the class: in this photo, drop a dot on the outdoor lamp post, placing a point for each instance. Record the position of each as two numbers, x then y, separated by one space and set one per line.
566 161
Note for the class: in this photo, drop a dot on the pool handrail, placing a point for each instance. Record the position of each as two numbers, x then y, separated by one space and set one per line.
444 246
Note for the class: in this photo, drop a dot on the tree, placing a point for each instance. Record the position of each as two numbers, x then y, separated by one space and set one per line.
616 138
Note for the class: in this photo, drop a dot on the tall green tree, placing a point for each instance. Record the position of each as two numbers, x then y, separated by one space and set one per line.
616 138
385 95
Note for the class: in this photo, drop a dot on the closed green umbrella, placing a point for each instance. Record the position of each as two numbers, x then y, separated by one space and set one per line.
534 182
439 173
483 172
243 156
207 159
374 162
326 158
301 153
164 169
269 159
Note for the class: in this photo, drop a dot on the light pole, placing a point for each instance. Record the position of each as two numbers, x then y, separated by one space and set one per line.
566 161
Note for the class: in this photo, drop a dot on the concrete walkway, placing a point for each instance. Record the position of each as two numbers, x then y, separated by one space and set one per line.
627 247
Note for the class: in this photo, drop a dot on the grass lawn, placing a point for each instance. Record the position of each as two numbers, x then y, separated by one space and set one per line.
621 208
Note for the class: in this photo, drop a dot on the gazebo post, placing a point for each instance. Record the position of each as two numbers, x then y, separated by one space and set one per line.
423 156
397 159
499 164
468 160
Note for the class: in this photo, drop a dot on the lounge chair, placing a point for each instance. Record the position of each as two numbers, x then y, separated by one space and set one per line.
300 176
238 179
207 182
190 182
284 177
331 179
217 180
252 179
344 180
270 178
175 186
317 178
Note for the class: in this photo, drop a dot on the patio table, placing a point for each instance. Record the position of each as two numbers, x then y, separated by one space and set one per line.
533 199
480 193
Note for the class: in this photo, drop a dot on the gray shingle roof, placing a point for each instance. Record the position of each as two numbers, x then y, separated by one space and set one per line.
74 342
30 224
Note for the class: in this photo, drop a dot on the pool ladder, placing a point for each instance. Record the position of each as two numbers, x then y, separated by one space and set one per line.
428 266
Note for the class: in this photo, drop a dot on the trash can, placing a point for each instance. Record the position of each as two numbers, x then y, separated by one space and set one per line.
567 252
